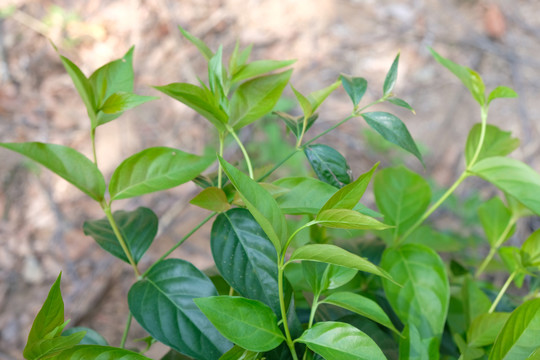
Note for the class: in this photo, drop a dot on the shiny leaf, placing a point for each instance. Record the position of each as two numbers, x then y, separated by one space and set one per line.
355 88
329 165
391 77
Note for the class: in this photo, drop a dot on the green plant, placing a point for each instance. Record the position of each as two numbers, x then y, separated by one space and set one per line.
284 289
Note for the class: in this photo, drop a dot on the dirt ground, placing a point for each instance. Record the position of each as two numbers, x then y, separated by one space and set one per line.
42 215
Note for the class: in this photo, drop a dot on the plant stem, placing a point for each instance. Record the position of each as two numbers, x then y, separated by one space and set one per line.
121 240
126 331
501 293
313 310
220 170
278 165
246 156
493 250
483 116
175 246
93 139
288 338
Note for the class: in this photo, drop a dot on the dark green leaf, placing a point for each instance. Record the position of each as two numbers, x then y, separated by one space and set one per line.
122 101
67 163
245 257
495 216
340 341
175 355
501 92
329 165
355 88
155 169
484 329
213 199
91 337
260 203
348 219
258 68
237 353
138 228
205 51
163 304
496 143
248 323
362 306
256 98
400 102
394 130
296 123
513 177
391 77
85 352
519 336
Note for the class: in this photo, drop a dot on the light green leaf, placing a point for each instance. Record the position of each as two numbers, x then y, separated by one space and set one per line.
340 341
155 169
495 216
513 177
530 251
348 219
501 92
122 101
329 165
213 199
52 345
316 98
434 239
248 323
519 336
401 103
238 353
496 143
84 352
256 98
393 130
67 163
475 301
391 77
336 276
484 329
362 306
355 88
91 337
258 68
205 51
304 102
468 77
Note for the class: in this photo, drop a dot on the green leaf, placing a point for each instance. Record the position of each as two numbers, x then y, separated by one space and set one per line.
340 341
248 323
501 92
466 351
213 199
91 337
495 216
475 301
238 353
314 274
256 98
468 77
155 169
52 345
484 329
245 257
329 165
519 336
535 355
332 254
316 98
205 51
348 196
258 68
434 239
513 177
355 88
198 99
360 305
122 101
84 352
412 346
65 162
260 204
304 102
348 219
530 251
336 276
162 303
138 228
402 196
496 143
175 355
401 103
394 130
296 123
391 77
425 289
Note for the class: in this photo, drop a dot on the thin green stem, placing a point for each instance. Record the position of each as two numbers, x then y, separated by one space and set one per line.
121 240
288 338
93 139
483 116
306 225
301 137
501 293
493 250
243 149
126 331
220 170
175 246
278 165
314 307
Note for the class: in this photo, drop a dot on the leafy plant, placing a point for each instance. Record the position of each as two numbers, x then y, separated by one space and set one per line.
291 293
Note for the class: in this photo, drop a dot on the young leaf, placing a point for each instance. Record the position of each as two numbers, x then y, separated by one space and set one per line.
336 276
475 301
422 293
163 305
484 329
501 92
393 130
217 75
304 102
296 123
138 228
237 353
91 337
401 103
256 98
495 216
248 323
513 177
355 88
348 219
316 98
314 275
213 199
332 254
329 165
205 51
391 77
67 163
530 251
122 101
468 77
245 257
360 305
340 341
155 169
260 204
519 336
496 143
258 68
402 196
84 352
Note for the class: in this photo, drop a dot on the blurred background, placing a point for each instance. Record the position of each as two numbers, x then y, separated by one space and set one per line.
41 216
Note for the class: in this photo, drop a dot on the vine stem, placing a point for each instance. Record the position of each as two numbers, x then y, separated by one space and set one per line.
494 249
243 149
126 331
501 293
